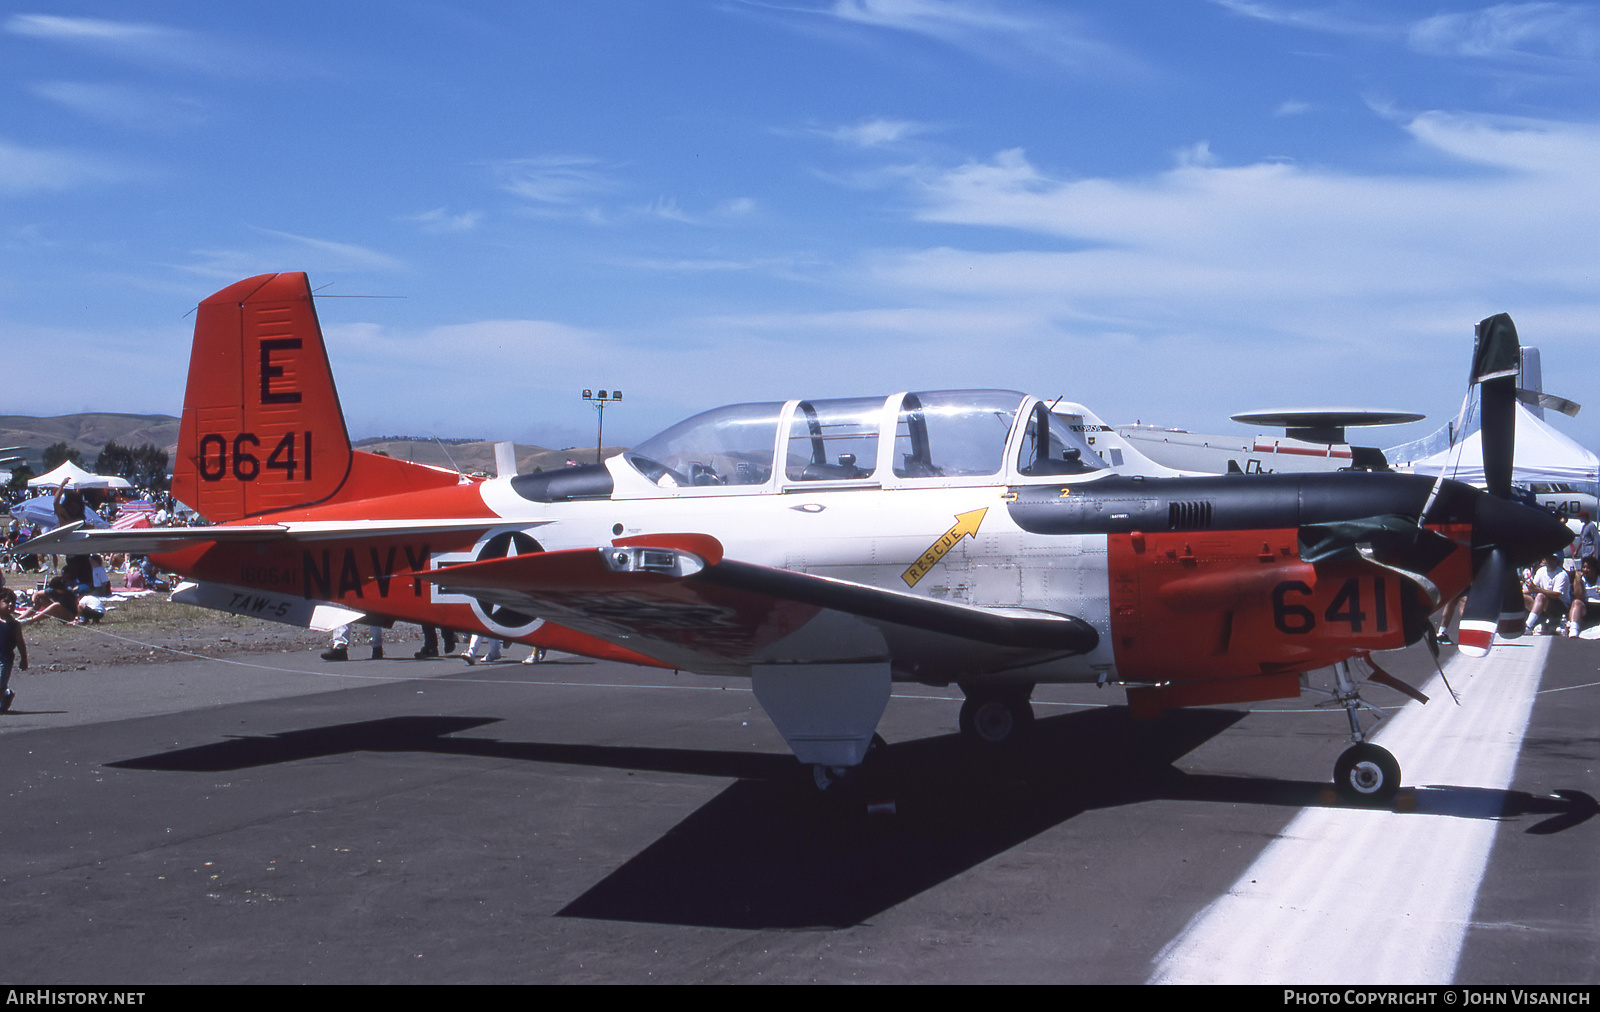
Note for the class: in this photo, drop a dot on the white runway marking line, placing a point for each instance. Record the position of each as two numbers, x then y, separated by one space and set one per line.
1349 896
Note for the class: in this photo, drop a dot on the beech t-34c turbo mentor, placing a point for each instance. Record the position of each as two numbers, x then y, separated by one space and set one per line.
828 548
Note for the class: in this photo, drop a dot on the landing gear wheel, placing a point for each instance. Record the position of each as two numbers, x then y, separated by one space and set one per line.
992 721
1367 773
831 779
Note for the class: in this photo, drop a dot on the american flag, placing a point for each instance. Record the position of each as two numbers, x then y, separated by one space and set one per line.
134 514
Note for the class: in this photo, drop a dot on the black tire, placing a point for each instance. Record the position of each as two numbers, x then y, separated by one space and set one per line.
994 721
1366 773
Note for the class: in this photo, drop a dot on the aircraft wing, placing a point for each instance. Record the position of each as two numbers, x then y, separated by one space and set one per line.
72 539
695 610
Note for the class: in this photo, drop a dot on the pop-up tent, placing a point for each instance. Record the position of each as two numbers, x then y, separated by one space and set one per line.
1542 455
78 477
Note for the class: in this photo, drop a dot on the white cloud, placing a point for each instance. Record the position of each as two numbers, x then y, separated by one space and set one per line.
123 105
1505 31
26 170
440 221
340 255
290 252
1313 19
1207 270
137 42
556 180
1008 32
1273 225
875 133
1292 107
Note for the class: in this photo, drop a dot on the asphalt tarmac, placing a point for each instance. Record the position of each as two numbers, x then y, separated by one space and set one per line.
279 819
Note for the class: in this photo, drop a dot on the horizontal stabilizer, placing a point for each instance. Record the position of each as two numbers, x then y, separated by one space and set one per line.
1550 402
290 609
72 539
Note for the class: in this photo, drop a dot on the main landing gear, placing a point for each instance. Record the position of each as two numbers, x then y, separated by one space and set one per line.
993 716
1365 773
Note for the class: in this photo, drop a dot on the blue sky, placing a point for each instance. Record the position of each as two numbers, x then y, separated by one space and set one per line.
1171 211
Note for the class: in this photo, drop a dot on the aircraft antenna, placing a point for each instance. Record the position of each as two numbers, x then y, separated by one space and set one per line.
1452 462
447 456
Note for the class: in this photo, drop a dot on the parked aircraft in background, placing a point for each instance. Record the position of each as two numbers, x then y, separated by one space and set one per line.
827 548
1314 440
1551 470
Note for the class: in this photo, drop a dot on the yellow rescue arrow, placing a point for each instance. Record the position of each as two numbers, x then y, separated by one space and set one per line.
966 526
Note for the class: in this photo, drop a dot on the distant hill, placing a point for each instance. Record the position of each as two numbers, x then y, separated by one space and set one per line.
89 433
478 455
86 433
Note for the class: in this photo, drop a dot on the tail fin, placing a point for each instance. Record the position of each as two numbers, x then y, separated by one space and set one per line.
262 430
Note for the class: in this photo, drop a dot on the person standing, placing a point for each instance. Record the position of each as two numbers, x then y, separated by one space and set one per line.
70 507
339 648
1588 544
430 642
12 646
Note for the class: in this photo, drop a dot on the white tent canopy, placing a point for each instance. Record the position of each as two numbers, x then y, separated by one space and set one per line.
78 477
1542 454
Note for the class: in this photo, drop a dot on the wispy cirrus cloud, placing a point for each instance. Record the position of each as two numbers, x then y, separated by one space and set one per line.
1512 31
1319 19
1010 32
440 221
122 105
553 180
1506 31
875 132
150 45
27 170
289 252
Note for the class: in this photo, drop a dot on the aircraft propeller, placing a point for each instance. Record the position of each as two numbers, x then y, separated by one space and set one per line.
1505 534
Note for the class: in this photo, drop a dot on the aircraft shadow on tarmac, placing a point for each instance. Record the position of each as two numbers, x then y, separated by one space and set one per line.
768 853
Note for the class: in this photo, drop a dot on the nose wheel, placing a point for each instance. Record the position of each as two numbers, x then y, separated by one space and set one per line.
1367 773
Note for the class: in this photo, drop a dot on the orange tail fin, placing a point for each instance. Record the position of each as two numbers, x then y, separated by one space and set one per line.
262 430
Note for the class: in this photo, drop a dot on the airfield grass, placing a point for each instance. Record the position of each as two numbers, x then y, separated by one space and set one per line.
153 629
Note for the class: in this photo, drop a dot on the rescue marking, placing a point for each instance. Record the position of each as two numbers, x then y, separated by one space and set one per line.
966 525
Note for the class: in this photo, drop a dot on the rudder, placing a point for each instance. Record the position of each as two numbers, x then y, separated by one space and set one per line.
262 430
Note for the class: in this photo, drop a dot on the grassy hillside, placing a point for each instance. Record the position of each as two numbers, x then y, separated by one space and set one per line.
86 433
89 433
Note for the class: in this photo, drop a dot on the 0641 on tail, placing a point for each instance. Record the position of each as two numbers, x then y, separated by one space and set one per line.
827 548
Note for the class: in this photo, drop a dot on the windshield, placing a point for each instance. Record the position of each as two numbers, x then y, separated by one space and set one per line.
732 445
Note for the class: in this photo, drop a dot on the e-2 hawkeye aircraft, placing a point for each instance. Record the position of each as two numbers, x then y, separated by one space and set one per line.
828 548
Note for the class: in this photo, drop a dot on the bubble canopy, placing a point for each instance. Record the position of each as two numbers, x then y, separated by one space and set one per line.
936 436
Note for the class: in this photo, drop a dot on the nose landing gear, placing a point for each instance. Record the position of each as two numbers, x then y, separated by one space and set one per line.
1365 773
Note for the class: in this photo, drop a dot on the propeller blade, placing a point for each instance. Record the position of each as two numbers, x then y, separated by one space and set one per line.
1513 608
1496 360
1481 617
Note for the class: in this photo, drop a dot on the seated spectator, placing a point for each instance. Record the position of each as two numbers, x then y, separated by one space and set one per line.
1585 598
55 601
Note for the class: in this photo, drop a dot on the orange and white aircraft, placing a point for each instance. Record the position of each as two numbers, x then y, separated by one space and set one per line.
828 548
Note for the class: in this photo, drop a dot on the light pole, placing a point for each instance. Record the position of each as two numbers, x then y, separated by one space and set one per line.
600 401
